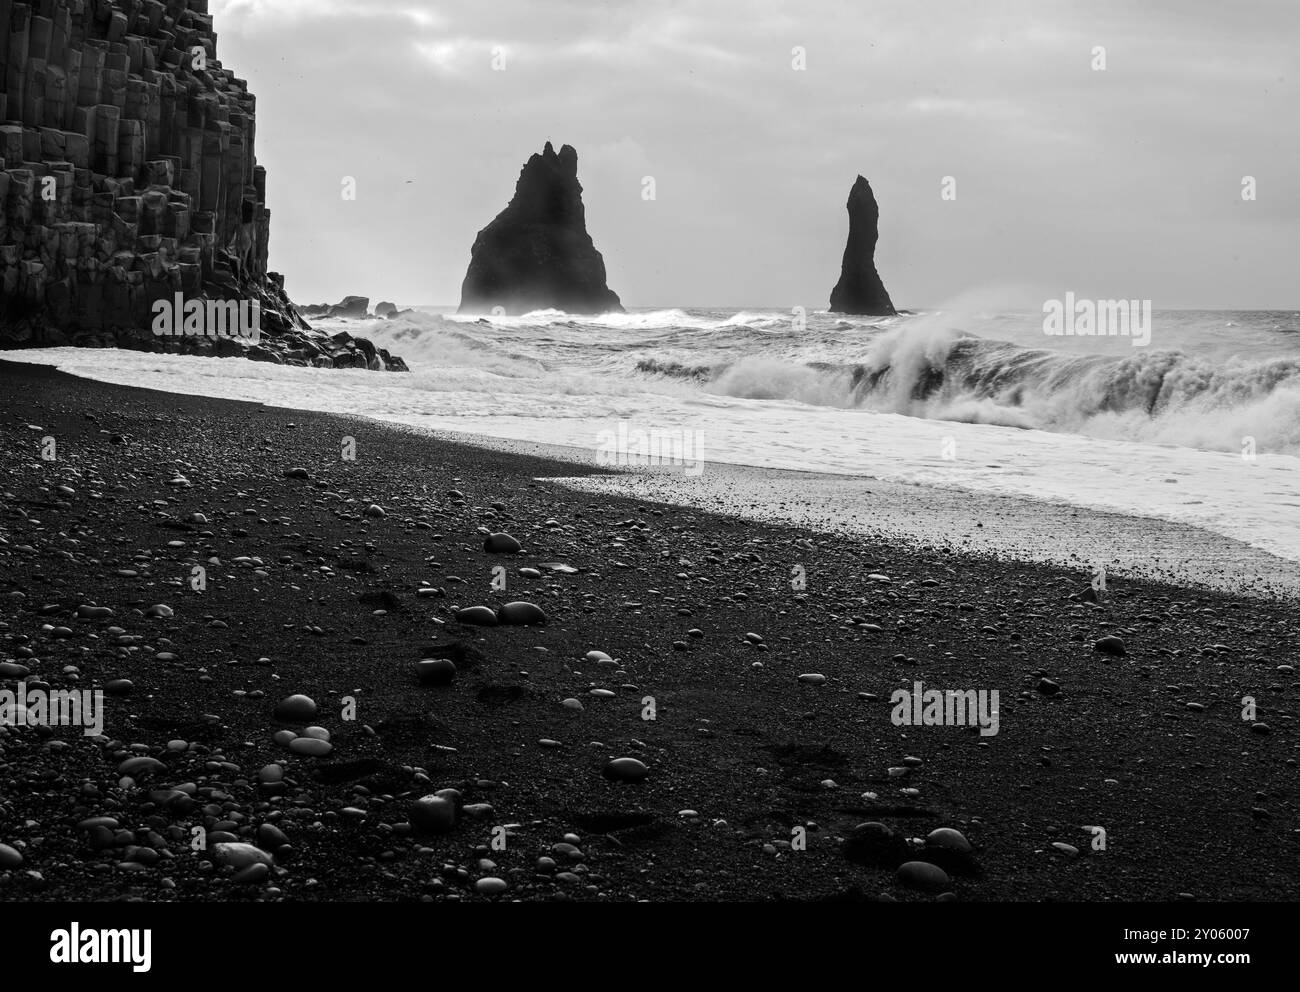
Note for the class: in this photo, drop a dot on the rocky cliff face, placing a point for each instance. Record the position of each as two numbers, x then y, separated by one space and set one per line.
860 290
128 178
537 253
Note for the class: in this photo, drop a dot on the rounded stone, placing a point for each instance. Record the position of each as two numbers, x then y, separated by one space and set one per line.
491 886
522 615
949 840
477 616
875 844
813 678
502 544
251 875
435 671
296 708
141 765
311 747
434 814
239 856
270 837
626 770
923 876
9 857
1112 645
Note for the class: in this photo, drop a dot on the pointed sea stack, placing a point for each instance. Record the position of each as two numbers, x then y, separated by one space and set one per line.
860 290
537 253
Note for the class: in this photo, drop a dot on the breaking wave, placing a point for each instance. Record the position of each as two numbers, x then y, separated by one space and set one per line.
920 366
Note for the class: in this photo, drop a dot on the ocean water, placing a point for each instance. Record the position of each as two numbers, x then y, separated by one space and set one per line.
1200 426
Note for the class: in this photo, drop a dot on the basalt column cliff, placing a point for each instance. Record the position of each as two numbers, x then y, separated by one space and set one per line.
860 290
537 253
127 176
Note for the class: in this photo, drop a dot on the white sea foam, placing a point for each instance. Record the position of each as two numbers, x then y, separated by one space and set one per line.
1156 434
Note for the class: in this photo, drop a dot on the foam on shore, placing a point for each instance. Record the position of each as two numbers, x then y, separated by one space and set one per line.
926 516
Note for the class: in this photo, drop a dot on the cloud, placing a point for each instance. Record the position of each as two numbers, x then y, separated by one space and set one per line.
1059 168
255 15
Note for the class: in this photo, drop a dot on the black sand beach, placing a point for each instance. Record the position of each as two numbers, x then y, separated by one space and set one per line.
311 595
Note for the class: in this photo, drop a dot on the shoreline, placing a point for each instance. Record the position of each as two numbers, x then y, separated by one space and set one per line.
935 516
862 506
311 595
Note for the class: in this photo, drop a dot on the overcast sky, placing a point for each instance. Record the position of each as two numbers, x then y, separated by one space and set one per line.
1117 183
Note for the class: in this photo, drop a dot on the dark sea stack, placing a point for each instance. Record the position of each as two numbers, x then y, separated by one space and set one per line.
352 307
537 253
128 176
860 290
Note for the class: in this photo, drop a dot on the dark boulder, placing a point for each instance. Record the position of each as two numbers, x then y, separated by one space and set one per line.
860 290
356 307
537 253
